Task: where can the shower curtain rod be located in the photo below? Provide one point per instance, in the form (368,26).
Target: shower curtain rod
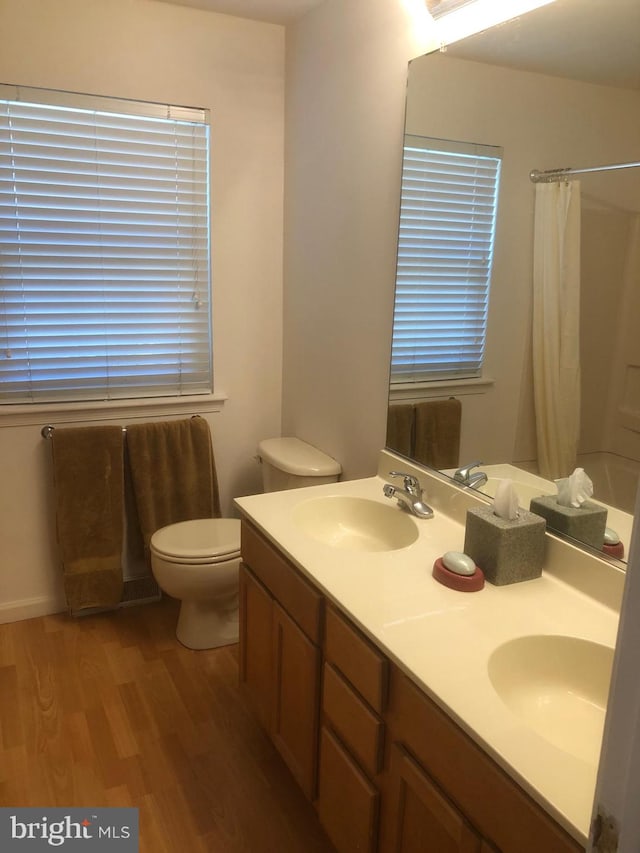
(550,175)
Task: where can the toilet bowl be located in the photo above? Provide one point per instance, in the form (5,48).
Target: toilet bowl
(197,562)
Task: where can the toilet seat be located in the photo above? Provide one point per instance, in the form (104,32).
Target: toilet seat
(198,541)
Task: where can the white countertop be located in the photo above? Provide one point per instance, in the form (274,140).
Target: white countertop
(442,639)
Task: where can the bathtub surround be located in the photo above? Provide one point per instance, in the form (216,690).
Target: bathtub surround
(89,493)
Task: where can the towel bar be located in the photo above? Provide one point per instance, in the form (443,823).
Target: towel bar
(48,430)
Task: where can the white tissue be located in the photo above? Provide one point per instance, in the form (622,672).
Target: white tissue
(505,502)
(574,489)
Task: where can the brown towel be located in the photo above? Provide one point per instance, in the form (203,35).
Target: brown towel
(400,428)
(437,441)
(88,477)
(173,473)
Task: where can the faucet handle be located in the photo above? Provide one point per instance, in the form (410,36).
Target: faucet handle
(462,474)
(410,482)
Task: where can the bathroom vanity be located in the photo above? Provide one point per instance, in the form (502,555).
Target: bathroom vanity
(400,706)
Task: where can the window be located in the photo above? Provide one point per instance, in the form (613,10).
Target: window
(104,248)
(445,250)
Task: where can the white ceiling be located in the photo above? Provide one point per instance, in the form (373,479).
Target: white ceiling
(273,11)
(594,40)
(597,41)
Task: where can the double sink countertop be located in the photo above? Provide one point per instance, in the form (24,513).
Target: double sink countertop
(444,640)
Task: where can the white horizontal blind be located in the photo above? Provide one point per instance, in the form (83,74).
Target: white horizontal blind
(445,251)
(104,249)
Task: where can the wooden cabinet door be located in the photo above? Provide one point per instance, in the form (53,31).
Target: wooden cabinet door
(421,819)
(347,802)
(256,647)
(296,699)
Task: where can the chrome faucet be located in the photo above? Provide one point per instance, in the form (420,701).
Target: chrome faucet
(463,475)
(410,497)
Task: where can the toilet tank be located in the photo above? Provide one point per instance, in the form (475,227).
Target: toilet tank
(290,463)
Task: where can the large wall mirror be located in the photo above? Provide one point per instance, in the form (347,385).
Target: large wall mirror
(557,88)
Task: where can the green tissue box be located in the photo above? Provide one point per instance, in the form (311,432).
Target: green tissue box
(585,523)
(506,551)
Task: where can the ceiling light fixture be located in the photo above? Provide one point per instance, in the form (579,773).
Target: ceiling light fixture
(457,19)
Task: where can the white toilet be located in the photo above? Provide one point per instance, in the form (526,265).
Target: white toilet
(289,463)
(197,561)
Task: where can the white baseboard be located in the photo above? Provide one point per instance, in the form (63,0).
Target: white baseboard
(30,608)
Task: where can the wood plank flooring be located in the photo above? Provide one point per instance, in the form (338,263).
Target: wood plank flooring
(110,710)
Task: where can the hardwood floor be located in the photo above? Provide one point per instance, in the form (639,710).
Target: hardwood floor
(110,710)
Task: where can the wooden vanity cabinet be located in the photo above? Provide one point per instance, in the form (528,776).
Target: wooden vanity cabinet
(352,736)
(421,818)
(256,654)
(390,772)
(348,801)
(280,657)
(432,757)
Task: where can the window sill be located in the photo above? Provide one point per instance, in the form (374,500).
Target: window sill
(108,410)
(415,391)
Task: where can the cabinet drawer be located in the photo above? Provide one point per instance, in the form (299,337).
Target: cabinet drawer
(347,802)
(300,599)
(355,723)
(357,659)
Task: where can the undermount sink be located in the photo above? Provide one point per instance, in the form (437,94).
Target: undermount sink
(558,686)
(355,524)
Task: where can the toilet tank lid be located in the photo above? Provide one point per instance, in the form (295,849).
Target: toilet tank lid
(295,456)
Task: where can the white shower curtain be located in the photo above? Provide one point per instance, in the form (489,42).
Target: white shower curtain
(556,326)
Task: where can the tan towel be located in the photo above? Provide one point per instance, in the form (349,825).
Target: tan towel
(400,428)
(88,477)
(437,440)
(173,473)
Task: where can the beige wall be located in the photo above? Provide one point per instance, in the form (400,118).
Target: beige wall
(159,52)
(346,81)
